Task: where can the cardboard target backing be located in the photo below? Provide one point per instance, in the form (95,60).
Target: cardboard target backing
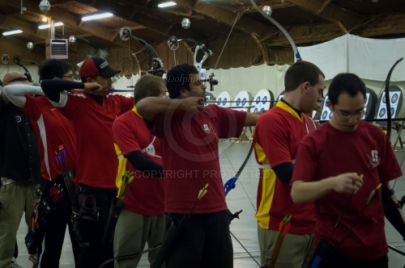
(396,99)
(263,101)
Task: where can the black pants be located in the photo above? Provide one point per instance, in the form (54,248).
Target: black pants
(374,263)
(55,230)
(330,258)
(95,204)
(204,242)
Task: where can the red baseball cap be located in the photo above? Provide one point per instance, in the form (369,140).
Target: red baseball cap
(95,66)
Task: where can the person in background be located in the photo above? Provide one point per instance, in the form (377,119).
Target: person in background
(140,153)
(55,133)
(92,115)
(195,197)
(276,138)
(19,169)
(344,167)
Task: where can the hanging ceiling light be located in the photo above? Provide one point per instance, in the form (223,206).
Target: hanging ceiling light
(97,16)
(185,23)
(47,26)
(30,45)
(167,4)
(12,32)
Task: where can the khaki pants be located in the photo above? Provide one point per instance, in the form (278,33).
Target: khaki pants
(132,232)
(15,199)
(295,251)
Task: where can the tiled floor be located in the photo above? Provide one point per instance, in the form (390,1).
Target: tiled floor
(243,197)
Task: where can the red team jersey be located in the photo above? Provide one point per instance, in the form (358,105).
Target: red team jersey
(329,152)
(277,135)
(52,130)
(145,194)
(190,156)
(96,159)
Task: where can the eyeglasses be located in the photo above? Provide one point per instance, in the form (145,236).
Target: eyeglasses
(345,115)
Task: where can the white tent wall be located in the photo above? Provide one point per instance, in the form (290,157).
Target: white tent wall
(124,83)
(251,79)
(369,58)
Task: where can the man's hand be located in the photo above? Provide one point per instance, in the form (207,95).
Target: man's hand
(93,88)
(348,183)
(192,104)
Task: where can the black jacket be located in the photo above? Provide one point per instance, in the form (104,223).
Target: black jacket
(19,151)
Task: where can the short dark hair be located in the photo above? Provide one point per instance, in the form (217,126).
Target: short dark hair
(49,69)
(148,86)
(178,78)
(300,72)
(345,83)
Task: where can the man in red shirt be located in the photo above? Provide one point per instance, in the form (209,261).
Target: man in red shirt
(142,219)
(195,197)
(53,131)
(277,135)
(342,167)
(92,115)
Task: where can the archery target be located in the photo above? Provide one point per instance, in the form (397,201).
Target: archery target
(395,98)
(242,101)
(280,96)
(223,99)
(263,101)
(326,113)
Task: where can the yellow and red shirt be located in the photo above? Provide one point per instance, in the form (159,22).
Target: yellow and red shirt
(277,135)
(145,194)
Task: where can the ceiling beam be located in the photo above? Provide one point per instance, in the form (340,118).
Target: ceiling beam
(343,18)
(8,22)
(244,25)
(57,13)
(311,34)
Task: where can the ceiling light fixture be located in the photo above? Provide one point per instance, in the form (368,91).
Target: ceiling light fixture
(47,26)
(12,32)
(97,16)
(167,4)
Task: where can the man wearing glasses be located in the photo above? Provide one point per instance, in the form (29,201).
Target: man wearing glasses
(345,167)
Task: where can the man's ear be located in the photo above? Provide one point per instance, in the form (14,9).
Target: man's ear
(184,92)
(304,87)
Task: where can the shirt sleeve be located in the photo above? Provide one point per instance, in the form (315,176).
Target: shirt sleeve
(389,168)
(229,123)
(272,136)
(306,163)
(125,136)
